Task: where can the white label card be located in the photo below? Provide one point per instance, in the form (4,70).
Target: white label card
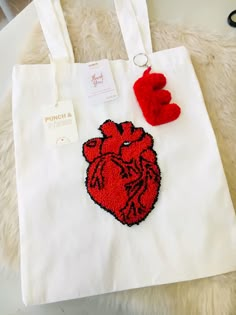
(98,82)
(60,124)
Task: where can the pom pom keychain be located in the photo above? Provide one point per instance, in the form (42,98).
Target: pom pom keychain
(153,100)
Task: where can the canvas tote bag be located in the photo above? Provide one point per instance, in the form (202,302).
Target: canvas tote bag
(117,201)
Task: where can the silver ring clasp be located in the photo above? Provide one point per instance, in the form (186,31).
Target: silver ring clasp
(141,60)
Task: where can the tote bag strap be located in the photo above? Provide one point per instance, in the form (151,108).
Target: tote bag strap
(134,24)
(132,16)
(55,31)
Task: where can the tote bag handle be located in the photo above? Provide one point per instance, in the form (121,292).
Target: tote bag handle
(132,16)
(55,31)
(134,23)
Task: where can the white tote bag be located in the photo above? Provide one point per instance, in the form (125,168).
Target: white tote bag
(108,199)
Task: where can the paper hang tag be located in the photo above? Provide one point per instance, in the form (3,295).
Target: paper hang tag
(98,82)
(60,124)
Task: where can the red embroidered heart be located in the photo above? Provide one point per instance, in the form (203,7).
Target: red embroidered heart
(123,176)
(154,101)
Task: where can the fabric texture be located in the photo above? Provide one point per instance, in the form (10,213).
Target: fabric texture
(213,53)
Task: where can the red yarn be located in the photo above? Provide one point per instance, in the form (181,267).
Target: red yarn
(123,176)
(155,102)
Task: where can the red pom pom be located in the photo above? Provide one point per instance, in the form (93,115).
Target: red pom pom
(155,102)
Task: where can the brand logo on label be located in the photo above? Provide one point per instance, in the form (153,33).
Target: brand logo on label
(97,79)
(57,117)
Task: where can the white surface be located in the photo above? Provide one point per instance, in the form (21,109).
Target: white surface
(210,15)
(11,303)
(12,40)
(6,9)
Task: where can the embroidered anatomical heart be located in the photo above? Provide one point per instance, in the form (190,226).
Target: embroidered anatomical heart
(123,176)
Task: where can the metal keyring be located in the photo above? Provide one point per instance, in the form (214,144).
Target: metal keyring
(231,22)
(145,64)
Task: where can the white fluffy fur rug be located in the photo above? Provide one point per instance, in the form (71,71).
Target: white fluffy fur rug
(95,35)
